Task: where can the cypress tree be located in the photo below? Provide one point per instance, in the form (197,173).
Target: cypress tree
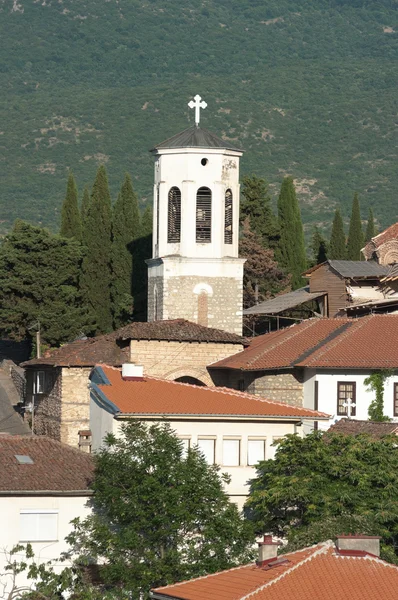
(319,247)
(96,270)
(256,205)
(291,246)
(147,221)
(355,233)
(142,250)
(71,226)
(125,229)
(370,227)
(84,207)
(337,249)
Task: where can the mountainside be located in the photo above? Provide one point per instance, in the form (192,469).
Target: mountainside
(306,87)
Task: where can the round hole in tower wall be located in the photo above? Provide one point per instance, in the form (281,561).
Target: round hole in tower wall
(204,162)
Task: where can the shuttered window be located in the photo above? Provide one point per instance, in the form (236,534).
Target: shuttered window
(203,215)
(228,218)
(174,216)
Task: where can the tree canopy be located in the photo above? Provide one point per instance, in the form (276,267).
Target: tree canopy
(370,227)
(324,484)
(39,275)
(337,247)
(71,225)
(256,205)
(319,247)
(355,238)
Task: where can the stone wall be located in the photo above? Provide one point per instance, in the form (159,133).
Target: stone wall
(172,360)
(75,408)
(47,418)
(281,386)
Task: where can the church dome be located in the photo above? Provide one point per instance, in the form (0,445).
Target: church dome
(195,137)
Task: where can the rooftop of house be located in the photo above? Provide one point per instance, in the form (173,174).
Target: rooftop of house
(40,465)
(177,330)
(353,269)
(112,348)
(320,572)
(391,233)
(376,429)
(196,137)
(365,343)
(152,396)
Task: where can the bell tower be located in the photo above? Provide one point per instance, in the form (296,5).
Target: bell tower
(195,272)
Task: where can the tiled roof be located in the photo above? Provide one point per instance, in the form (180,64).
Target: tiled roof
(317,573)
(369,343)
(153,396)
(84,353)
(177,330)
(355,269)
(281,349)
(283,302)
(196,137)
(365,343)
(391,233)
(355,427)
(56,467)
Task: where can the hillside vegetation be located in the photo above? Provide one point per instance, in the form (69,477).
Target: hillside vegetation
(306,87)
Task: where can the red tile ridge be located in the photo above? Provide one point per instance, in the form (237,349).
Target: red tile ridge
(322,548)
(316,354)
(227,391)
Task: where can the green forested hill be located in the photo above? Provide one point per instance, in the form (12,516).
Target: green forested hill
(307,87)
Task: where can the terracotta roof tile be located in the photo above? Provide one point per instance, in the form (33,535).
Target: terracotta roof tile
(179,330)
(355,427)
(285,347)
(162,397)
(391,233)
(84,353)
(365,343)
(317,573)
(56,467)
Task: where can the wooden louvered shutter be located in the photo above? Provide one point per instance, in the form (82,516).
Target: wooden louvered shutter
(174,216)
(203,215)
(228,218)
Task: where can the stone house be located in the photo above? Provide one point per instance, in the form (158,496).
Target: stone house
(320,364)
(57,384)
(43,486)
(232,429)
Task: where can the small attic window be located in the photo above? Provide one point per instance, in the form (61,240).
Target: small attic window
(23,459)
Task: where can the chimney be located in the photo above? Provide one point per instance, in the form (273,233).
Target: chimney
(131,372)
(357,545)
(267,551)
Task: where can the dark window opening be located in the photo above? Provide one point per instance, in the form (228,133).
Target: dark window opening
(204,161)
(228,218)
(346,391)
(203,215)
(174,216)
(395,399)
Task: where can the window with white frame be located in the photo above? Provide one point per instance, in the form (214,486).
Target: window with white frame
(38,382)
(186,444)
(231,452)
(255,451)
(38,525)
(207,447)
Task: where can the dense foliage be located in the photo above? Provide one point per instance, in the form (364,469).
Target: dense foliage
(71,224)
(355,238)
(337,246)
(255,204)
(322,485)
(376,383)
(159,516)
(291,249)
(306,87)
(39,282)
(370,227)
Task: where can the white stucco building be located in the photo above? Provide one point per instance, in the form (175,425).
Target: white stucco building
(195,272)
(232,429)
(44,485)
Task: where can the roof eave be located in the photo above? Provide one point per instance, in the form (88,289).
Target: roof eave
(87,492)
(219,417)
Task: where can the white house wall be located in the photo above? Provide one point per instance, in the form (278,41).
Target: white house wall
(327,394)
(11,532)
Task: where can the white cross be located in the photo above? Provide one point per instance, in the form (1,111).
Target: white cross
(349,404)
(197,105)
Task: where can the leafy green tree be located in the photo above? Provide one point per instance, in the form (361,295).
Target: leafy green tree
(370,227)
(256,204)
(158,516)
(291,252)
(125,229)
(319,247)
(337,247)
(147,221)
(142,250)
(71,225)
(324,484)
(376,382)
(39,282)
(84,207)
(96,269)
(262,276)
(355,233)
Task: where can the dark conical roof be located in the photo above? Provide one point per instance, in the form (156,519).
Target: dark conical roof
(196,137)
